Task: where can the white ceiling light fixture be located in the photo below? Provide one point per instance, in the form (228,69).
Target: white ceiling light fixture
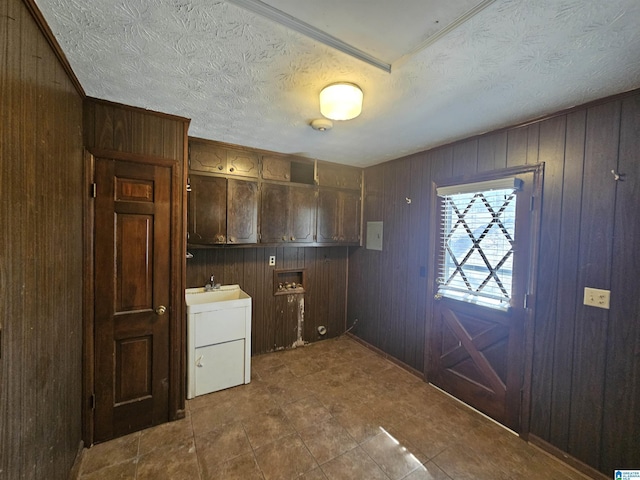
(341,101)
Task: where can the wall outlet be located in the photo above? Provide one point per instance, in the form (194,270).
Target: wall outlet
(594,297)
(272,261)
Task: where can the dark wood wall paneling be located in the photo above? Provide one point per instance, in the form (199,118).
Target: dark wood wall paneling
(40,253)
(325,288)
(586,367)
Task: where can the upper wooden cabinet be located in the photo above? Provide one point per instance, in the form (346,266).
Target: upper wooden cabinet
(222,210)
(231,185)
(207,219)
(287,214)
(288,169)
(340,176)
(209,157)
(338,216)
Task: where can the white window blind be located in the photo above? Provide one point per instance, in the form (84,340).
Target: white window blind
(478,231)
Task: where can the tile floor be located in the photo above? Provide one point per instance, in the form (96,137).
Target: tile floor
(331,410)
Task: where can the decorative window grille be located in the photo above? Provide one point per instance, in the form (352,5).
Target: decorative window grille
(478,232)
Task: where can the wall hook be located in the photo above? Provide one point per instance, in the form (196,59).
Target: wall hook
(617,176)
(408,200)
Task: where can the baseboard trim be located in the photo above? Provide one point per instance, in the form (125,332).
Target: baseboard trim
(386,356)
(564,457)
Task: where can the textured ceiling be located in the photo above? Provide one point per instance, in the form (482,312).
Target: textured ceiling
(245,79)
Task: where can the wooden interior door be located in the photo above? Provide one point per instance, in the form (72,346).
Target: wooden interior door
(132,296)
(478,351)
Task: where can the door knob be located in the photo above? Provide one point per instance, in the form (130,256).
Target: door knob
(161,310)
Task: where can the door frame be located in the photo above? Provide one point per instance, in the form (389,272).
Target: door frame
(532,275)
(177,330)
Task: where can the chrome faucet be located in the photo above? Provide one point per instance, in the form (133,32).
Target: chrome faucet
(212,285)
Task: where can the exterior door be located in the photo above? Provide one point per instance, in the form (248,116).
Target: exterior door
(132,296)
(478,334)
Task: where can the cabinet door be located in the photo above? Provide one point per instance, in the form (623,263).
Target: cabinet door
(207,210)
(302,214)
(340,176)
(242,163)
(242,211)
(327,216)
(274,213)
(276,168)
(349,217)
(205,157)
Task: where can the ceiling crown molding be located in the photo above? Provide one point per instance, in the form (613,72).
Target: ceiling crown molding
(286,20)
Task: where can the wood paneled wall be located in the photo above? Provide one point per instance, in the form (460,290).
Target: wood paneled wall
(40,254)
(325,285)
(586,363)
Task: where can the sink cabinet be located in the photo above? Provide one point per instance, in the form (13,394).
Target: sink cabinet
(219,342)
(222,210)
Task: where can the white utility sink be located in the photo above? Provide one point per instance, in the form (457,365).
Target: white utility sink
(218,339)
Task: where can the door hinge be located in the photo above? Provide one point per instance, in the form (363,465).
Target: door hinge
(93,190)
(531,205)
(92,401)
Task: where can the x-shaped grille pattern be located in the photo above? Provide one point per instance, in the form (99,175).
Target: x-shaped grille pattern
(478,243)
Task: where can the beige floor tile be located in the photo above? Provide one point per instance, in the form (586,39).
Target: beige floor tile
(306,412)
(267,427)
(220,445)
(327,440)
(392,457)
(353,465)
(178,462)
(285,459)
(243,467)
(110,453)
(120,471)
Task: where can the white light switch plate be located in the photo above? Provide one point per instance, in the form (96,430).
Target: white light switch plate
(272,261)
(594,297)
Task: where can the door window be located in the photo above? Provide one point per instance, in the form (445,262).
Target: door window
(478,232)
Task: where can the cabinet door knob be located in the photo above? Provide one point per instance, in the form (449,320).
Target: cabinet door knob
(220,167)
(231,169)
(284,238)
(293,239)
(161,310)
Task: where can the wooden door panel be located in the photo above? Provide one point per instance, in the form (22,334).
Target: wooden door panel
(349,217)
(132,238)
(273,213)
(207,158)
(242,211)
(302,214)
(207,210)
(276,168)
(133,271)
(242,163)
(327,216)
(133,369)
